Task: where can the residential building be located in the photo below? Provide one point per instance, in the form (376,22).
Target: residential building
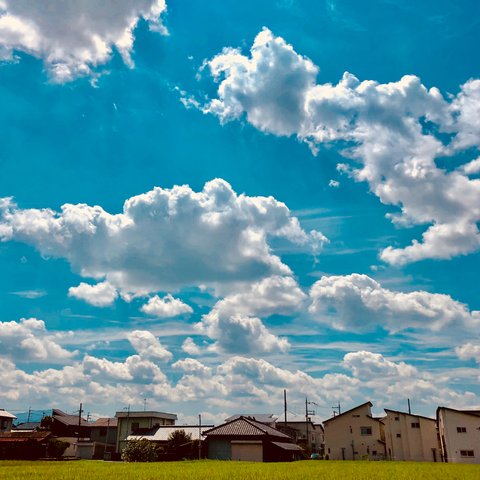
(6,420)
(70,428)
(24,445)
(459,433)
(354,435)
(161,434)
(307,434)
(248,440)
(411,437)
(129,422)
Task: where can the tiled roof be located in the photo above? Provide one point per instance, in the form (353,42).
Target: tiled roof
(23,436)
(26,426)
(105,422)
(258,417)
(245,427)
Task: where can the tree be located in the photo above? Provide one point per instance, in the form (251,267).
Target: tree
(178,439)
(46,423)
(140,451)
(56,448)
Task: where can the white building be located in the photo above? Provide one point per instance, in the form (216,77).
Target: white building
(459,432)
(6,420)
(355,435)
(411,437)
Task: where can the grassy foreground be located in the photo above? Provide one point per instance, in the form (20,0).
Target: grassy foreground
(213,470)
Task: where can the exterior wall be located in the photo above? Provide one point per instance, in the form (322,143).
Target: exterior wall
(219,449)
(126,425)
(453,442)
(104,434)
(6,424)
(247,451)
(315,433)
(344,439)
(405,442)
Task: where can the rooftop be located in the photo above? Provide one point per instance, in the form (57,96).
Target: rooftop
(147,414)
(161,434)
(245,427)
(259,417)
(5,414)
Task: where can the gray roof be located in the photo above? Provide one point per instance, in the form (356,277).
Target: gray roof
(148,414)
(259,417)
(162,433)
(244,427)
(105,422)
(288,446)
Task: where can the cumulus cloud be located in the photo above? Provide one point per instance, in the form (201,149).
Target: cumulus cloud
(390,129)
(100,295)
(29,340)
(165,307)
(148,346)
(368,365)
(358,302)
(468,351)
(165,238)
(234,324)
(74,38)
(190,347)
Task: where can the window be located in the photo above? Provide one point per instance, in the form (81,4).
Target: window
(365,430)
(397,419)
(374,453)
(415,425)
(399,435)
(461,429)
(356,416)
(135,426)
(466,453)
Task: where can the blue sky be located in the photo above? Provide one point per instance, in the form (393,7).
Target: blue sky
(275,251)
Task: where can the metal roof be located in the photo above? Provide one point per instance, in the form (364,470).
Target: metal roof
(23,436)
(245,427)
(162,433)
(67,419)
(5,414)
(148,414)
(288,446)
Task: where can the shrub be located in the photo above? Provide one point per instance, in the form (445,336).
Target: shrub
(56,448)
(140,451)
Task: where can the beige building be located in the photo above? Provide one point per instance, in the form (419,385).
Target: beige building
(129,422)
(459,432)
(309,435)
(354,435)
(411,437)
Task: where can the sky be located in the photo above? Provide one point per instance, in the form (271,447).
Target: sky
(202,205)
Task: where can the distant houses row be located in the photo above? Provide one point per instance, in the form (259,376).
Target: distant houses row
(453,436)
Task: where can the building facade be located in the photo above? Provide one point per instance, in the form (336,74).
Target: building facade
(6,420)
(411,437)
(355,435)
(459,434)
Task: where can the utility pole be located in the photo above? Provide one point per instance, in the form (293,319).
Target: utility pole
(29,413)
(337,410)
(199,436)
(79,422)
(144,404)
(285,405)
(307,418)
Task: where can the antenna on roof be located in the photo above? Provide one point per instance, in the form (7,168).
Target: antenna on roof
(144,404)
(409,409)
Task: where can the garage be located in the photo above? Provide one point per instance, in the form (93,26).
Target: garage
(247,450)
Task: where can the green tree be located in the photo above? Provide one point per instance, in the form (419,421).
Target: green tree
(140,451)
(178,439)
(56,448)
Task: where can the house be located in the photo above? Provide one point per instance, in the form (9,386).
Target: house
(248,440)
(411,437)
(129,422)
(354,435)
(102,441)
(69,428)
(299,430)
(23,445)
(6,420)
(459,433)
(161,434)
(26,426)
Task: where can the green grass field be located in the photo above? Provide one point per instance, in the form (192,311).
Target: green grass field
(213,470)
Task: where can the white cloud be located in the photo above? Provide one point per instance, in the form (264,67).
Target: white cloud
(165,238)
(234,324)
(28,340)
(334,183)
(190,347)
(393,145)
(468,351)
(74,38)
(100,295)
(357,302)
(165,307)
(148,346)
(368,365)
